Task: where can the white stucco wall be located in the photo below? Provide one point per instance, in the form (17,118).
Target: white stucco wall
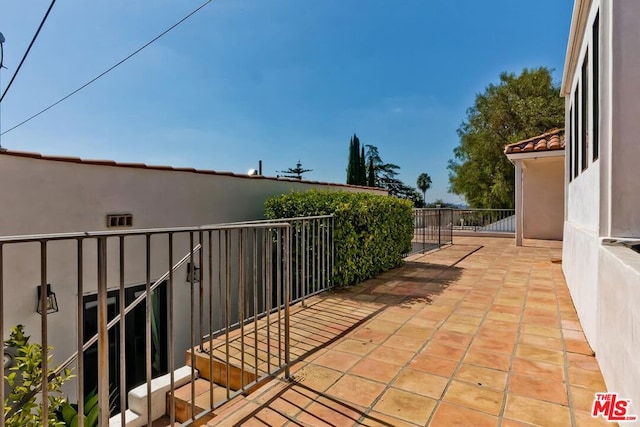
(543,201)
(45,196)
(625,149)
(602,202)
(618,321)
(583,195)
(580,266)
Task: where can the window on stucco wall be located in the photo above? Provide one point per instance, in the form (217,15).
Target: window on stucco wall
(595,75)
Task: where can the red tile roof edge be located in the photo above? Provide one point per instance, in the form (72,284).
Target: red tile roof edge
(111,163)
(534,144)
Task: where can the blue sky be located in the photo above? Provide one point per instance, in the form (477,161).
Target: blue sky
(277,80)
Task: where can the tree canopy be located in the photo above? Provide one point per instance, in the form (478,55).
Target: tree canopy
(516,108)
(424,183)
(295,172)
(365,167)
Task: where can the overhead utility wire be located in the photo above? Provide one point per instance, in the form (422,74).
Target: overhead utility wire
(109,69)
(35,36)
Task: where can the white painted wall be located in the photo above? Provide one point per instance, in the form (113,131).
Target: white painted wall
(618,321)
(47,196)
(580,266)
(543,201)
(583,195)
(625,149)
(603,201)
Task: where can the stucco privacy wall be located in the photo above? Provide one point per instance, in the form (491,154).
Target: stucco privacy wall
(543,201)
(48,196)
(618,321)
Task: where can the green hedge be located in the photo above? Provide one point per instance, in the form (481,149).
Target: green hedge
(372,232)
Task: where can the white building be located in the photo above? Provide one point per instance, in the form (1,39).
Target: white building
(602,92)
(539,164)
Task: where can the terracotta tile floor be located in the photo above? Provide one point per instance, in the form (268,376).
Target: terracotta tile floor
(480,333)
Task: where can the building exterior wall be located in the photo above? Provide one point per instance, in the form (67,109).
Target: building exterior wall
(543,201)
(625,149)
(603,200)
(618,321)
(583,190)
(45,196)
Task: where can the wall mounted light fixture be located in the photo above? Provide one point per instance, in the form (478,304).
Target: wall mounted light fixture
(50,300)
(194,270)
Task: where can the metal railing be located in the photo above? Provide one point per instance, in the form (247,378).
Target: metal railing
(312,254)
(237,275)
(488,220)
(241,267)
(432,229)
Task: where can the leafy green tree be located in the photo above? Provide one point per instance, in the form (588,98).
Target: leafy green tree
(516,108)
(385,175)
(424,183)
(295,172)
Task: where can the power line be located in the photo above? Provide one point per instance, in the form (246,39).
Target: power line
(33,40)
(109,69)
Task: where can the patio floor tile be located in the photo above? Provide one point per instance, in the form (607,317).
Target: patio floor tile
(434,365)
(375,370)
(474,397)
(444,351)
(479,333)
(356,390)
(448,415)
(536,412)
(482,376)
(488,360)
(391,355)
(421,383)
(337,360)
(406,406)
(553,392)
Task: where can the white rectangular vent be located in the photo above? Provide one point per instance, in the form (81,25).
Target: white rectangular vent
(119,220)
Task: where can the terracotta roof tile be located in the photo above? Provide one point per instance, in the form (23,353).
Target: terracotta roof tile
(111,163)
(552,140)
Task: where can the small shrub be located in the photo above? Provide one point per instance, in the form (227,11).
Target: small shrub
(21,407)
(372,232)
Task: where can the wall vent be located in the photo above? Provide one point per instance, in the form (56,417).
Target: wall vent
(119,220)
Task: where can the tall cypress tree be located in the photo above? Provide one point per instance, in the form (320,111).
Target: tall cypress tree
(352,166)
(350,163)
(371,179)
(357,166)
(362,168)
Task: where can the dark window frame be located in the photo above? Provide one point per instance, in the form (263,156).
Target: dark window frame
(584,113)
(574,166)
(569,145)
(595,75)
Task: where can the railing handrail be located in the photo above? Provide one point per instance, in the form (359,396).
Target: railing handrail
(483,209)
(138,232)
(270,221)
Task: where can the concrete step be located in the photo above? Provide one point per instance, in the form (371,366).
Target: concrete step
(203,389)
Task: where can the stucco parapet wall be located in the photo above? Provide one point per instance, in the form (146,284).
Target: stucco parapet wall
(112,163)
